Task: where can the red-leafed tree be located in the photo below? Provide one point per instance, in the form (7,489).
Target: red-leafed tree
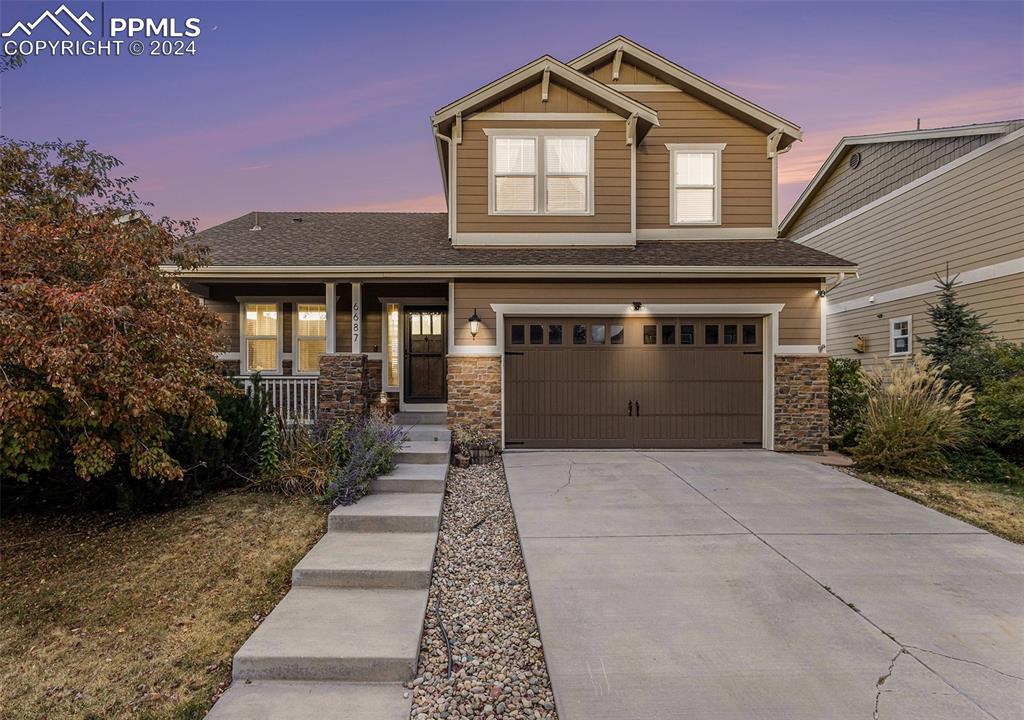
(100,350)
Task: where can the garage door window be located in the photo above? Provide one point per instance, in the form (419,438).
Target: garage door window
(597,334)
(518,335)
(554,334)
(536,334)
(710,334)
(618,334)
(730,335)
(579,334)
(686,334)
(650,334)
(750,334)
(668,334)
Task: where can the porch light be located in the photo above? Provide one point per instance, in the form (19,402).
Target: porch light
(474,323)
(637,306)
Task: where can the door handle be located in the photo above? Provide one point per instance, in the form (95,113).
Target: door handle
(631,408)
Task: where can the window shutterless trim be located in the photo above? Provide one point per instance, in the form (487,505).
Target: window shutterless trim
(297,338)
(243,345)
(675,149)
(909,320)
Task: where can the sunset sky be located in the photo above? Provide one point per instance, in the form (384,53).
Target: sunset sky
(325,105)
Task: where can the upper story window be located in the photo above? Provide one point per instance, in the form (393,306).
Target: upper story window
(544,172)
(899,336)
(696,183)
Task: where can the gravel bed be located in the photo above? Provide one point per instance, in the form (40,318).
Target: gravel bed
(486,608)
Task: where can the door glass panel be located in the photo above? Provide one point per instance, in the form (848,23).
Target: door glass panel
(597,334)
(579,334)
(393,345)
(618,334)
(710,334)
(414,318)
(686,334)
(750,334)
(536,334)
(554,334)
(518,334)
(668,334)
(650,334)
(730,334)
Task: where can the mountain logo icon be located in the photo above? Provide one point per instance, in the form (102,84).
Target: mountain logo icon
(55,17)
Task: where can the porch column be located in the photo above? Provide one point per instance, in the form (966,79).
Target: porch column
(332,311)
(357,317)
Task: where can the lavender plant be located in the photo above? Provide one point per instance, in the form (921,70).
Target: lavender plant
(367,449)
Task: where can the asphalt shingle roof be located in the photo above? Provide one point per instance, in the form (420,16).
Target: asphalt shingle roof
(409,239)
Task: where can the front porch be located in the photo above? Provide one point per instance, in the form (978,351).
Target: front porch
(285,330)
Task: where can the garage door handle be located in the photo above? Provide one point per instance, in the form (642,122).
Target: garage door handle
(631,408)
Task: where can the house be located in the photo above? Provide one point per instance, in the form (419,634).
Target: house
(909,205)
(608,273)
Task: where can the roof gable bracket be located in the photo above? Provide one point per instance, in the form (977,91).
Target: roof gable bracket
(774,138)
(545,84)
(457,129)
(617,63)
(631,129)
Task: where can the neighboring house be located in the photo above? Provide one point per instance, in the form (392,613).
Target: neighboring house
(608,273)
(907,206)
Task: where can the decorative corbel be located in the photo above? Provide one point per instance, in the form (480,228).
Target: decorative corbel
(774,138)
(631,129)
(617,63)
(544,84)
(457,129)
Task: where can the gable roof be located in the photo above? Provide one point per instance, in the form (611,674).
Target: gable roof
(691,83)
(322,244)
(995,128)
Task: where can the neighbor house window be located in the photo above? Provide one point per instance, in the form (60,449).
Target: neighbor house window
(696,185)
(262,337)
(310,336)
(899,336)
(547,173)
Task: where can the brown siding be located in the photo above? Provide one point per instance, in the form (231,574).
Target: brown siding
(560,99)
(799,322)
(612,212)
(629,74)
(746,169)
(883,168)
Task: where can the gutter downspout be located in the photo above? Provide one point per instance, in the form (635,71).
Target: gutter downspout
(450,194)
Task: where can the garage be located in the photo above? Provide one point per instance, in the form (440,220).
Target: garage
(636,382)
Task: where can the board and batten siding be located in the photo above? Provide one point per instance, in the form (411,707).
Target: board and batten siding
(799,322)
(612,175)
(969,217)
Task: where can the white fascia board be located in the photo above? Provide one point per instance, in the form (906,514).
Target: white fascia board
(625,309)
(829,164)
(707,233)
(543,239)
(692,80)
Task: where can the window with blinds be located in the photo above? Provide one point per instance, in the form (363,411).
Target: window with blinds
(545,174)
(566,168)
(310,335)
(262,337)
(696,185)
(515,175)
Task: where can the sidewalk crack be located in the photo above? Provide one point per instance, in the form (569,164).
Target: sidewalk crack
(883,679)
(965,660)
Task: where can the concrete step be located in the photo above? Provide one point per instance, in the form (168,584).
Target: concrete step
(412,478)
(279,700)
(389,512)
(321,633)
(427,432)
(420,418)
(424,452)
(368,560)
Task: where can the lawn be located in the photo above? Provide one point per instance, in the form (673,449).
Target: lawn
(996,507)
(106,616)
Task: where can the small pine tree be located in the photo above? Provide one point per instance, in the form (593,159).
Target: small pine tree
(961,341)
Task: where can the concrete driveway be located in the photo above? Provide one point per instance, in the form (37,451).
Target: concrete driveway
(748,584)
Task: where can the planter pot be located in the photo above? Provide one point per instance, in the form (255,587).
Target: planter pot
(480,456)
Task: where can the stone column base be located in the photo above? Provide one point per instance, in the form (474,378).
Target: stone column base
(801,403)
(474,394)
(342,387)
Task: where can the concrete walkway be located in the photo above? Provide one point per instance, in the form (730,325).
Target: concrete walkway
(749,584)
(344,639)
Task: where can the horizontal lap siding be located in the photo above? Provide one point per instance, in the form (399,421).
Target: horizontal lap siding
(612,172)
(746,169)
(999,302)
(970,217)
(560,100)
(799,322)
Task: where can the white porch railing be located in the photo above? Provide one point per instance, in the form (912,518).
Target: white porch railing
(295,396)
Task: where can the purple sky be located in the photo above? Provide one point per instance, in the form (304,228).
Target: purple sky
(325,105)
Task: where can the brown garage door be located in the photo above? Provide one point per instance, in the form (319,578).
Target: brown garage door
(633,382)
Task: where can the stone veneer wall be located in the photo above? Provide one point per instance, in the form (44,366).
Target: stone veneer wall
(343,386)
(474,394)
(375,383)
(801,403)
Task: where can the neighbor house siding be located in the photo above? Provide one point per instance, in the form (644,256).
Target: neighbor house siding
(611,176)
(883,168)
(799,322)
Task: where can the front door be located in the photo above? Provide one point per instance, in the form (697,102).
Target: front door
(426,341)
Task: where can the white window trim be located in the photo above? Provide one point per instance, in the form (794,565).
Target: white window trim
(540,186)
(243,365)
(675,148)
(296,355)
(385,336)
(909,320)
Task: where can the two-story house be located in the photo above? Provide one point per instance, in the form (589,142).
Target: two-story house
(909,206)
(608,273)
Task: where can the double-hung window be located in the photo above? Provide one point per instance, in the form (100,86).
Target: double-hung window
(310,336)
(696,183)
(899,336)
(262,337)
(542,173)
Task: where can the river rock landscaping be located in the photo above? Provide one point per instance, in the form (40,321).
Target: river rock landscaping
(480,603)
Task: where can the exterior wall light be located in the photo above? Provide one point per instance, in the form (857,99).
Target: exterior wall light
(638,306)
(474,323)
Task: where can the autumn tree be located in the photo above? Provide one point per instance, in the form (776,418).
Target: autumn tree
(101,351)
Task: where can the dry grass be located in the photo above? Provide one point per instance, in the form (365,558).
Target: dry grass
(996,507)
(111,617)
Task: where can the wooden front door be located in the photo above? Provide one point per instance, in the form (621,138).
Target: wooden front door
(426,341)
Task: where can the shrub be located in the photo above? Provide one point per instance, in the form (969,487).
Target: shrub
(1000,415)
(370,446)
(912,415)
(270,448)
(847,398)
(982,464)
(310,458)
